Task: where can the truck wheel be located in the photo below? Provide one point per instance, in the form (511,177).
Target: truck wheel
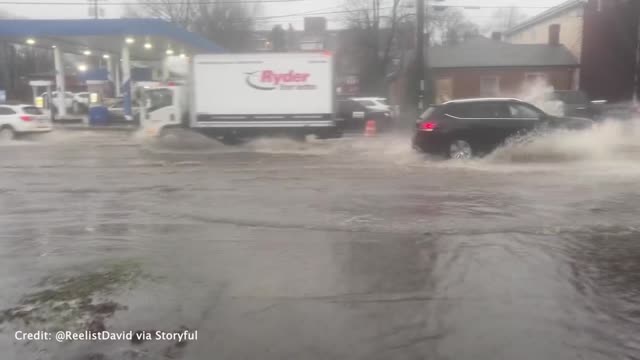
(230,140)
(330,134)
(298,136)
(164,132)
(136,119)
(7,133)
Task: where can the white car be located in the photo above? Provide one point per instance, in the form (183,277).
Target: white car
(82,98)
(68,99)
(117,110)
(17,120)
(378,104)
(373,103)
(81,101)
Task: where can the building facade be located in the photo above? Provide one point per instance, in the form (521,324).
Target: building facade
(484,67)
(604,37)
(567,17)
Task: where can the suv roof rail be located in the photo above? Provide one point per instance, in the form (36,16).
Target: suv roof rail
(480,100)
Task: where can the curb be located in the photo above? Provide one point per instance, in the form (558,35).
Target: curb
(98,128)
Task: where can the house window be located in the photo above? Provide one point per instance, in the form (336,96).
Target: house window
(444,90)
(535,78)
(489,86)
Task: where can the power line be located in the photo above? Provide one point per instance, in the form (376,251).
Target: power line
(201,2)
(204,2)
(316,12)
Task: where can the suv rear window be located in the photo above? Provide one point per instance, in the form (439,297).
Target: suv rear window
(489,110)
(6,111)
(458,110)
(32,110)
(427,114)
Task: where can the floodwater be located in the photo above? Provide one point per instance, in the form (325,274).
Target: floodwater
(346,249)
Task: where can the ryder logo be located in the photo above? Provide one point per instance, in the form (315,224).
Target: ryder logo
(270,80)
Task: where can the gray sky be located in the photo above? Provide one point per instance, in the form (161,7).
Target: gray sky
(481,16)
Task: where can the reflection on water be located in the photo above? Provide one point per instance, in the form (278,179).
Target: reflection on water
(352,248)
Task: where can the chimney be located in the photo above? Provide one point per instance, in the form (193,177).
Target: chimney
(496,36)
(554,34)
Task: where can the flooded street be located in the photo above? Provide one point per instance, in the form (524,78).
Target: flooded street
(347,249)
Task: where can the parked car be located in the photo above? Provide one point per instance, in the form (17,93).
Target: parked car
(116,110)
(68,99)
(576,103)
(465,128)
(373,102)
(18,120)
(81,102)
(357,111)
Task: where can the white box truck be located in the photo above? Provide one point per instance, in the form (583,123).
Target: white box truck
(231,96)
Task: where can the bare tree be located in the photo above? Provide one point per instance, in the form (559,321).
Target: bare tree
(377,27)
(505,19)
(449,26)
(181,12)
(228,24)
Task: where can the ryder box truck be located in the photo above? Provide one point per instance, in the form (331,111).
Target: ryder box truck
(231,96)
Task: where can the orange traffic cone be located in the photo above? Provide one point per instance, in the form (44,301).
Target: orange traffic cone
(370,128)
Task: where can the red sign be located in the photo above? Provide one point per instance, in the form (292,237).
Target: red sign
(271,80)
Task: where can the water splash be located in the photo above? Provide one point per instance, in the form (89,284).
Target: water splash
(608,141)
(539,94)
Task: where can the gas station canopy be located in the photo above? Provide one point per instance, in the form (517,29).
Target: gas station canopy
(153,37)
(110,39)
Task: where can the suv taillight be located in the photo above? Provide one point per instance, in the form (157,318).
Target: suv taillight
(25,118)
(428,126)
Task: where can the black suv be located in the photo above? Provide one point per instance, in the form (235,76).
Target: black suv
(464,128)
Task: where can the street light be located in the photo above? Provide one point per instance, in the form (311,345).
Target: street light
(129,40)
(148,46)
(87,52)
(106,56)
(31,41)
(170,52)
(82,68)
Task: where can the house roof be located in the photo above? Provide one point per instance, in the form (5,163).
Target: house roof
(483,52)
(547,14)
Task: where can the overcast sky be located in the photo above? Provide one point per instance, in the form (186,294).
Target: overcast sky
(322,7)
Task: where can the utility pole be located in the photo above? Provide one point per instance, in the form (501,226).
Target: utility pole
(420,55)
(636,80)
(94,8)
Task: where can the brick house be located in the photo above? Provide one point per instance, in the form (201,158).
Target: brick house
(482,67)
(567,18)
(602,34)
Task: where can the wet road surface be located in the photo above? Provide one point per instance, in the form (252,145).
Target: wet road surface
(347,249)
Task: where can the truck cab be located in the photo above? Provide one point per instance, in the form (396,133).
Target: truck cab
(164,107)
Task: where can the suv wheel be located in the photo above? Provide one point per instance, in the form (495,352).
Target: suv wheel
(460,150)
(7,134)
